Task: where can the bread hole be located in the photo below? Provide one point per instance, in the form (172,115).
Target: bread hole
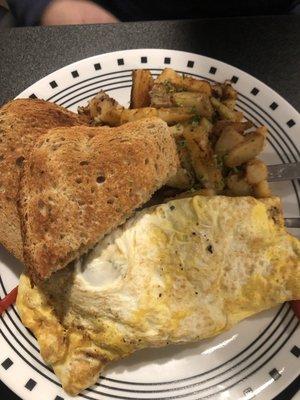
(62,139)
(56,146)
(93,190)
(110,201)
(156,166)
(151,126)
(146,161)
(19,161)
(78,180)
(100,179)
(1,157)
(84,162)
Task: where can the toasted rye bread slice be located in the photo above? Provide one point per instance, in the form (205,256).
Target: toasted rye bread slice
(22,121)
(80,183)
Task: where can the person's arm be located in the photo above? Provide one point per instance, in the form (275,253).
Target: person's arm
(28,12)
(68,12)
(59,12)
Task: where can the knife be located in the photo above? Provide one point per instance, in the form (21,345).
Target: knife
(283,172)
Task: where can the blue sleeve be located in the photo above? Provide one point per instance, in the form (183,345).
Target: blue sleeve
(28,12)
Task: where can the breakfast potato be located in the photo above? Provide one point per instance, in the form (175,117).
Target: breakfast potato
(256,171)
(185,157)
(262,189)
(245,151)
(228,139)
(238,186)
(109,114)
(174,115)
(103,110)
(230,103)
(228,92)
(182,180)
(206,125)
(217,90)
(161,95)
(137,113)
(177,131)
(142,83)
(211,136)
(240,127)
(198,102)
(170,115)
(196,85)
(202,158)
(225,112)
(170,77)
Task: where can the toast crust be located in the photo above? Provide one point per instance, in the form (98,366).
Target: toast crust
(80,183)
(22,121)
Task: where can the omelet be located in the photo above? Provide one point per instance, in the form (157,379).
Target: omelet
(175,273)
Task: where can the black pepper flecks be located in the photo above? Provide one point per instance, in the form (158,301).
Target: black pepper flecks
(210,248)
(172,207)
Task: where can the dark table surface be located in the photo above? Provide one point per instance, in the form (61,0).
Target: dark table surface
(266,47)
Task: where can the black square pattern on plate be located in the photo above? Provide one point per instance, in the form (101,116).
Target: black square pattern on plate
(97,66)
(275,374)
(30,384)
(190,64)
(296,351)
(75,74)
(234,79)
(33,96)
(7,363)
(273,106)
(59,398)
(248,393)
(291,123)
(53,84)
(167,60)
(254,91)
(212,70)
(120,61)
(144,60)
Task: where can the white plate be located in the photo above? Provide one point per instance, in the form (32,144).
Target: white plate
(259,357)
